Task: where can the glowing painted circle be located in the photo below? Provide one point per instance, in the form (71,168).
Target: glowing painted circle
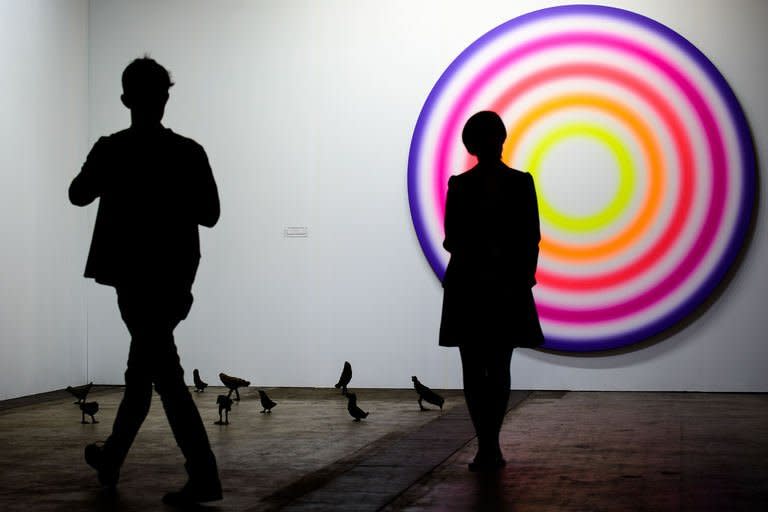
(611,279)
(618,203)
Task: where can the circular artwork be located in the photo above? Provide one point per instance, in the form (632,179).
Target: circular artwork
(642,158)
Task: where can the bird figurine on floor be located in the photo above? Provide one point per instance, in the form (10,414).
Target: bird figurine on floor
(233,383)
(199,384)
(427,395)
(346,376)
(353,409)
(266,402)
(89,408)
(225,405)
(80,392)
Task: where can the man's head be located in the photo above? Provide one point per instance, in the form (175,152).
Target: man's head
(145,90)
(484,135)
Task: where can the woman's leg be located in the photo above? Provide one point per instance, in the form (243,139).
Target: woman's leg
(474,376)
(498,384)
(486,390)
(482,395)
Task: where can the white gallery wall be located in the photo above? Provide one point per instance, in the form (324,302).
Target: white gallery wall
(306,110)
(43,133)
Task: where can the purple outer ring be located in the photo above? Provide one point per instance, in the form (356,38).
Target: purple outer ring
(746,150)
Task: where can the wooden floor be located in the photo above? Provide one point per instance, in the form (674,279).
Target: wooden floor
(566,451)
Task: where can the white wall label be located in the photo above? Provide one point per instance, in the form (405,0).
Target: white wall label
(296,232)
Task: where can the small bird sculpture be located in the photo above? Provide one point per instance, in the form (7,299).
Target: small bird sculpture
(346,376)
(353,409)
(427,395)
(266,402)
(80,392)
(233,383)
(199,384)
(89,408)
(225,405)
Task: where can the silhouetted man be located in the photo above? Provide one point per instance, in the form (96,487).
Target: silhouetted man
(155,188)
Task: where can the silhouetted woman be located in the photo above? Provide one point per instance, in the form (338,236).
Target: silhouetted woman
(492,233)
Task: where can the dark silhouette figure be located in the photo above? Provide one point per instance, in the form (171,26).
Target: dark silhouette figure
(233,383)
(200,385)
(355,411)
(492,233)
(346,376)
(426,395)
(80,392)
(225,406)
(89,408)
(154,188)
(266,402)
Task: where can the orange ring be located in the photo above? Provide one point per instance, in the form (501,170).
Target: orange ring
(654,189)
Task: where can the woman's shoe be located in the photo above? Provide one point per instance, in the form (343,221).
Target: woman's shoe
(483,463)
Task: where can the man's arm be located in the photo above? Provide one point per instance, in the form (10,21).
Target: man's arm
(88,184)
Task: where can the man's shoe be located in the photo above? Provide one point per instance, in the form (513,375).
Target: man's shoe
(106,473)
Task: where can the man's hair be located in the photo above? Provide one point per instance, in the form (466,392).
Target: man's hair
(484,131)
(145,76)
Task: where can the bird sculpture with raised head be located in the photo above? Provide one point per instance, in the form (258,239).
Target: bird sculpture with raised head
(200,385)
(346,376)
(233,383)
(427,395)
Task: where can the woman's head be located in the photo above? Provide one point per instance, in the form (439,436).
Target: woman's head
(484,135)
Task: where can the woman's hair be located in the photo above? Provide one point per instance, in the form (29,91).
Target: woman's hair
(484,134)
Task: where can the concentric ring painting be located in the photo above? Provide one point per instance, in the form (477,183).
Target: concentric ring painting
(642,157)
